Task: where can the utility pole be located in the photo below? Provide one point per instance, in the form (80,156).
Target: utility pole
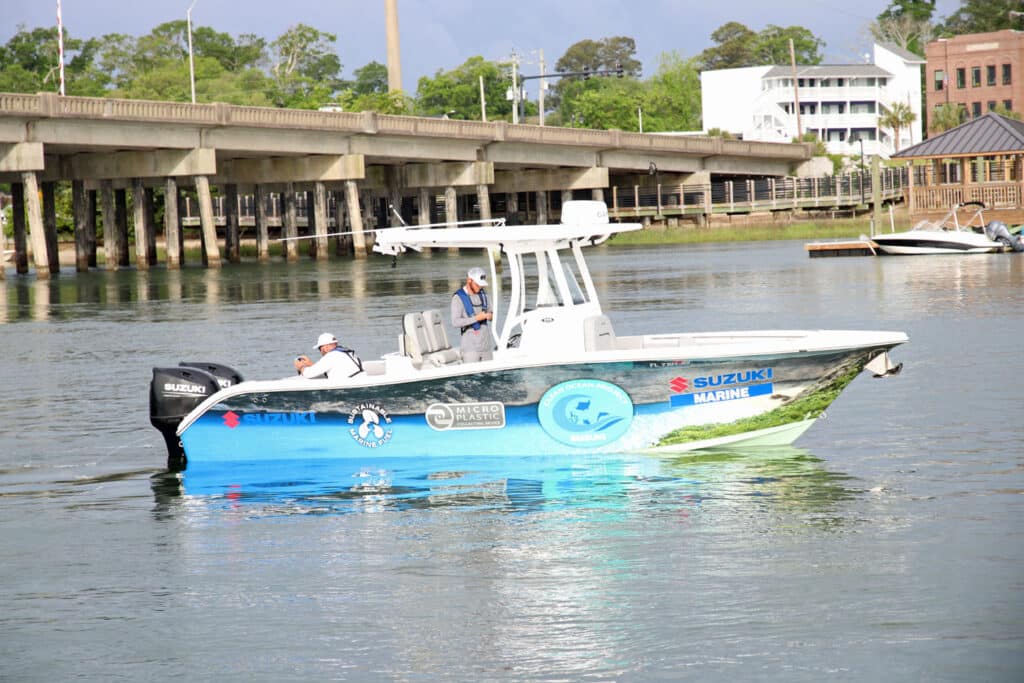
(543,87)
(191,62)
(60,47)
(483,101)
(514,91)
(796,91)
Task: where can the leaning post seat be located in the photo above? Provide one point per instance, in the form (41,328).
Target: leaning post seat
(440,350)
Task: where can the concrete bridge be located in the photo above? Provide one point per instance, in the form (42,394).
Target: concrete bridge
(348,164)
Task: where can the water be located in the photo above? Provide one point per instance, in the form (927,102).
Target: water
(887,545)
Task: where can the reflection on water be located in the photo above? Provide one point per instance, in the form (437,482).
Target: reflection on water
(786,479)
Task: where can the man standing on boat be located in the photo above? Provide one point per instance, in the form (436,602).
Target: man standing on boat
(471,314)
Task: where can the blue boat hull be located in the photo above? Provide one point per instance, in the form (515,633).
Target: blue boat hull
(554,410)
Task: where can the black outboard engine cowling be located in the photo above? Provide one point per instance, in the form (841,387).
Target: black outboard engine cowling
(174,392)
(225,375)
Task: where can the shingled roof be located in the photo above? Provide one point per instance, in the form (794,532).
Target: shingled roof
(989,134)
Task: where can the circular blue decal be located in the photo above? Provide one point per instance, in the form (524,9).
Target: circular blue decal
(585,412)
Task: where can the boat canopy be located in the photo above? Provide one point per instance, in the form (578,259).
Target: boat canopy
(551,297)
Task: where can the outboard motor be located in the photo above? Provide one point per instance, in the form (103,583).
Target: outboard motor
(174,392)
(998,232)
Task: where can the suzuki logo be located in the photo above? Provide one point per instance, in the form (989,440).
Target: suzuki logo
(231,419)
(679,384)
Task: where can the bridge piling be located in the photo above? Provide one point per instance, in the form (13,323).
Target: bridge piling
(232,246)
(35,225)
(260,217)
(142,226)
(80,209)
(320,218)
(110,251)
(356,218)
(211,251)
(290,224)
(50,226)
(20,235)
(172,225)
(451,211)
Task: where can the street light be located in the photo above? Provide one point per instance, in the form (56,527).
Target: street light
(191,62)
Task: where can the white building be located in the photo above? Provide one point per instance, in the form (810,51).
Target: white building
(838,103)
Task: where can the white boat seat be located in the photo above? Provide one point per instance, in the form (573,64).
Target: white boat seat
(414,337)
(598,334)
(440,350)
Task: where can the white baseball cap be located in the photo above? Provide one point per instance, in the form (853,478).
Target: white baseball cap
(478,276)
(324,339)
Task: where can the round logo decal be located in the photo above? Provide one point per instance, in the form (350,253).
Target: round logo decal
(585,412)
(370,425)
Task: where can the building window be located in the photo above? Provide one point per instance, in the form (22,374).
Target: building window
(991,105)
(990,74)
(862,107)
(975,76)
(975,109)
(1008,105)
(961,78)
(1006,74)
(940,79)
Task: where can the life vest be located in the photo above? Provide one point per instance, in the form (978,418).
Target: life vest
(351,354)
(468,305)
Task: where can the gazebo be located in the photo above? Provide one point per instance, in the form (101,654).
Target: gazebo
(981,160)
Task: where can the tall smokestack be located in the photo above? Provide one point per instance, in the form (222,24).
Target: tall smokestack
(394,54)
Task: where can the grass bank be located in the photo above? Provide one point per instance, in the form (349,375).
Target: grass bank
(799,230)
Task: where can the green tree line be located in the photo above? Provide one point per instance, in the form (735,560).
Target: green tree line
(301,68)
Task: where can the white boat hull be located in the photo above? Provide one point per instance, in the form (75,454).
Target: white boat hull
(917,242)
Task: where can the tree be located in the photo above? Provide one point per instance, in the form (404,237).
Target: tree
(981,16)
(738,46)
(672,102)
(305,68)
(607,54)
(897,118)
(372,78)
(946,116)
(907,23)
(458,91)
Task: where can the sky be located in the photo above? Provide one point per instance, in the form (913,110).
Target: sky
(442,34)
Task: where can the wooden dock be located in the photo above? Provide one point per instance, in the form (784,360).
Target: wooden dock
(864,247)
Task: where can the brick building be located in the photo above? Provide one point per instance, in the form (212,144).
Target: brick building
(978,72)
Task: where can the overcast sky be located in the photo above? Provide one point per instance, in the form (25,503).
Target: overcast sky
(442,34)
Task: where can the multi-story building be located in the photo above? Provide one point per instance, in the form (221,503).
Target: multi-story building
(840,104)
(977,72)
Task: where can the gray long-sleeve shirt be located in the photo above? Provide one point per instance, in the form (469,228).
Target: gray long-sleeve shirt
(476,344)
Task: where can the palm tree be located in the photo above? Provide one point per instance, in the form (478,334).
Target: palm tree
(945,116)
(899,116)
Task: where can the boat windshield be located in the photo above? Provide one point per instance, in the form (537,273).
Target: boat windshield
(554,282)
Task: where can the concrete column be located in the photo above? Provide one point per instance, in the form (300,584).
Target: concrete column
(311,229)
(262,228)
(20,235)
(232,245)
(483,198)
(394,196)
(172,226)
(50,226)
(290,224)
(542,207)
(342,243)
(91,241)
(320,215)
(512,208)
(182,212)
(423,206)
(597,194)
(356,218)
(567,197)
(142,227)
(210,249)
(80,208)
(451,211)
(369,205)
(35,224)
(123,249)
(110,251)
(149,212)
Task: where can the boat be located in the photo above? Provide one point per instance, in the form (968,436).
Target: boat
(946,236)
(561,380)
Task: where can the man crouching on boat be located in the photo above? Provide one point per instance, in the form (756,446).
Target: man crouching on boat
(335,361)
(470,313)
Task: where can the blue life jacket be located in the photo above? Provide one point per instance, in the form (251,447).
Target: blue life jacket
(351,354)
(468,305)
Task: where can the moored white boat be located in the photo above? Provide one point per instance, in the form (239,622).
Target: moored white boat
(946,236)
(561,381)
